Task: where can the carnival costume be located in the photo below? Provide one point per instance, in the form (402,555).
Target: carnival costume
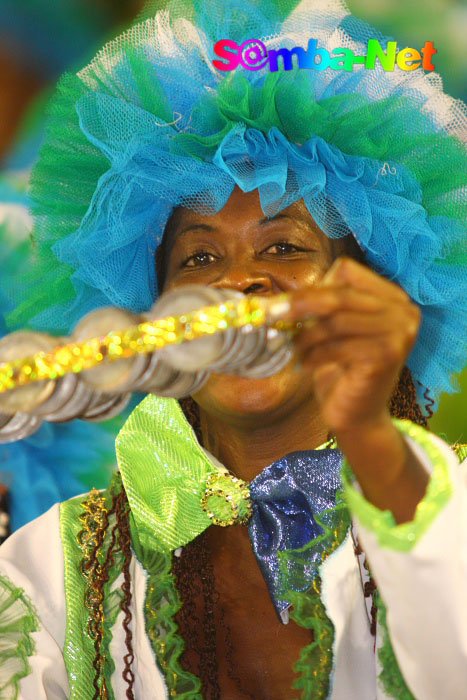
(149,125)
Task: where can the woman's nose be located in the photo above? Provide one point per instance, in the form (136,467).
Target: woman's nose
(244,279)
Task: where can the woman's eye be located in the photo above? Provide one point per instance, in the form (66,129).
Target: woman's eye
(282,248)
(199,259)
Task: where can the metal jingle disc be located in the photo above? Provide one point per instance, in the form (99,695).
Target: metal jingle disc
(4,418)
(200,353)
(253,345)
(24,344)
(250,341)
(155,371)
(230,358)
(79,401)
(64,390)
(109,409)
(185,384)
(276,362)
(161,377)
(202,379)
(19,427)
(100,403)
(116,376)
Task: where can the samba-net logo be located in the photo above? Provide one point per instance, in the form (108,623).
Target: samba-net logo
(253,55)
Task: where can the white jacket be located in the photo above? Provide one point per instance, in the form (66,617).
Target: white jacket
(421,572)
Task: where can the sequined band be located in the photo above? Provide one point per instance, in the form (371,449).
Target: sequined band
(145,337)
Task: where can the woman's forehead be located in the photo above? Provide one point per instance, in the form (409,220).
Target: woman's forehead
(241,209)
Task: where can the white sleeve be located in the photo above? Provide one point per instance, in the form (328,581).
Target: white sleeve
(32,596)
(425,587)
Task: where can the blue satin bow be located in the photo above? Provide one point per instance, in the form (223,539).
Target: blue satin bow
(285,497)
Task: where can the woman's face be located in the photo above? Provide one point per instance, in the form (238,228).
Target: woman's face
(239,248)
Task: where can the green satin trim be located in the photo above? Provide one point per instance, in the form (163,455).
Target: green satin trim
(164,471)
(18,620)
(315,663)
(78,649)
(405,536)
(390,678)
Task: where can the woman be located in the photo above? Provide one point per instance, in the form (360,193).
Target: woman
(248,206)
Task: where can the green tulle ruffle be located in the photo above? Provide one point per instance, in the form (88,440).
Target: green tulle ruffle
(18,620)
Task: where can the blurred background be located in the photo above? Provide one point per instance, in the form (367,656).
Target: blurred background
(39,40)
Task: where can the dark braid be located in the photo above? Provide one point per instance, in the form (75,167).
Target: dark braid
(403,403)
(98,576)
(194,574)
(123,524)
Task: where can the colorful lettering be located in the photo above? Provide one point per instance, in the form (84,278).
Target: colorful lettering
(232,58)
(253,55)
(375,51)
(344,63)
(409,59)
(287,56)
(428,52)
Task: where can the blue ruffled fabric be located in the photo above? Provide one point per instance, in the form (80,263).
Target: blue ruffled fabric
(383,210)
(57,463)
(154,115)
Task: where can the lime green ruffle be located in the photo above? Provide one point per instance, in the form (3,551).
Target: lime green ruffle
(166,488)
(161,604)
(461,452)
(18,620)
(315,663)
(405,536)
(390,678)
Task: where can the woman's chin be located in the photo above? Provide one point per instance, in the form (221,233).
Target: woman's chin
(231,395)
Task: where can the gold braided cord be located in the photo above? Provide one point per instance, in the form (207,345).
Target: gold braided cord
(90,540)
(145,337)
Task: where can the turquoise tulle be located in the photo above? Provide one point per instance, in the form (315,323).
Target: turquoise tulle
(61,460)
(384,212)
(56,463)
(150,125)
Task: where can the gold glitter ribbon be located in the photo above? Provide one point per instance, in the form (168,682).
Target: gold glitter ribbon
(145,337)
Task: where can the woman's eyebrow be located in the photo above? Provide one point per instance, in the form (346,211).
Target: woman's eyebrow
(301,220)
(194,227)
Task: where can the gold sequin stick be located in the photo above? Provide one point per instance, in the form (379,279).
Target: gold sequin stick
(145,337)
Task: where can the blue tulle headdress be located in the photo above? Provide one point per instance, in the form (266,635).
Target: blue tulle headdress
(151,124)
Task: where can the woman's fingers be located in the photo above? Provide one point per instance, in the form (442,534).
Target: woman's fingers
(348,324)
(349,272)
(324,301)
(374,354)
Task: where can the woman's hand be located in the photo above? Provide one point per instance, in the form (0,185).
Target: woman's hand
(361,330)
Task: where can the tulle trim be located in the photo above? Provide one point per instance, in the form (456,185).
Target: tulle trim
(142,124)
(390,678)
(315,664)
(405,536)
(18,620)
(161,604)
